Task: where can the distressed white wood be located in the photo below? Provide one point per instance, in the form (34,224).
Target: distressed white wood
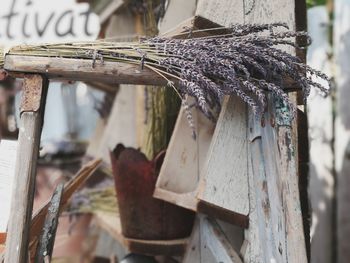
(224,182)
(180,172)
(221,12)
(176,12)
(320,122)
(209,243)
(193,249)
(274,164)
(251,250)
(214,245)
(342,126)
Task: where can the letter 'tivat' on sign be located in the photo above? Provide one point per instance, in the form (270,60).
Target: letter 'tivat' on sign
(43,21)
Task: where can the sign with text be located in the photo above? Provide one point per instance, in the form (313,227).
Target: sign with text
(44,21)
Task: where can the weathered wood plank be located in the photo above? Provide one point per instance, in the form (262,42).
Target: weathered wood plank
(251,249)
(25,173)
(180,172)
(214,245)
(224,184)
(342,127)
(193,246)
(224,179)
(176,12)
(274,161)
(221,12)
(82,70)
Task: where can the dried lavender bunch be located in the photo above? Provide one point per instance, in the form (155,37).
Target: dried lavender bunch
(245,62)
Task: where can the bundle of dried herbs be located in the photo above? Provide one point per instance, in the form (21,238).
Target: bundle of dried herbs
(245,61)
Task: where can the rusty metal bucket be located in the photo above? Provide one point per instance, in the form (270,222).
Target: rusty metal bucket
(142,216)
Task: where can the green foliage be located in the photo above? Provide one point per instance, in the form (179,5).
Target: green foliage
(312,3)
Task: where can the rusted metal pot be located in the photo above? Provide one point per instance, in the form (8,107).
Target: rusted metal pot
(142,216)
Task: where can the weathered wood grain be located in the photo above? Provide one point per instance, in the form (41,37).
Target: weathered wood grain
(209,243)
(224,13)
(273,156)
(24,182)
(224,179)
(81,69)
(214,245)
(193,246)
(180,172)
(274,162)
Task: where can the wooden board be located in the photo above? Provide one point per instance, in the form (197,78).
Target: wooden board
(272,161)
(25,173)
(111,223)
(274,147)
(224,181)
(82,70)
(208,244)
(180,172)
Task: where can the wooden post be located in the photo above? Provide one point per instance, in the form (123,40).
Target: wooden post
(273,146)
(275,232)
(32,112)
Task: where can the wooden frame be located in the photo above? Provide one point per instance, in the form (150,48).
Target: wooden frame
(32,113)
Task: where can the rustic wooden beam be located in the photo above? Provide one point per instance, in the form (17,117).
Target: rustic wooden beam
(82,70)
(32,112)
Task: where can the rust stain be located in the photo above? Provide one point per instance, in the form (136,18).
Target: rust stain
(272,120)
(265,203)
(266,207)
(32,92)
